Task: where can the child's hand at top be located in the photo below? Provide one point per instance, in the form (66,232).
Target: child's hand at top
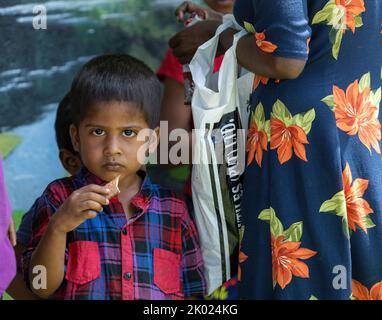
(185,43)
(192,8)
(82,204)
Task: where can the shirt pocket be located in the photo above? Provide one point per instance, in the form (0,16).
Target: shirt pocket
(167,270)
(84,262)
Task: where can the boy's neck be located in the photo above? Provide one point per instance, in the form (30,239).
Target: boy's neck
(129,187)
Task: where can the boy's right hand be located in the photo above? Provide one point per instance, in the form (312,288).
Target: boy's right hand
(82,204)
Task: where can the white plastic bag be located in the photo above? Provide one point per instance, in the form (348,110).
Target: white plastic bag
(219,108)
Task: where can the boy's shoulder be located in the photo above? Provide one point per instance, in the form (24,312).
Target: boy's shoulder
(59,190)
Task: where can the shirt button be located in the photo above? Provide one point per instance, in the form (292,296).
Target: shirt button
(124,231)
(127,276)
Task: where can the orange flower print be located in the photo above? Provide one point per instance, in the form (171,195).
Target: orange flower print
(289,133)
(258,79)
(357,208)
(256,143)
(283,138)
(356,114)
(260,37)
(349,204)
(257,139)
(286,251)
(340,15)
(286,256)
(360,292)
(353,8)
(264,45)
(242,258)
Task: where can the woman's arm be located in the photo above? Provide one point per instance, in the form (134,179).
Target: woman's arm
(176,113)
(250,56)
(173,109)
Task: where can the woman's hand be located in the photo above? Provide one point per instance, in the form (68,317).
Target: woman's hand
(12,233)
(191,8)
(186,42)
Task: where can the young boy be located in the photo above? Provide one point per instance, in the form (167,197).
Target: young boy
(141,244)
(71,163)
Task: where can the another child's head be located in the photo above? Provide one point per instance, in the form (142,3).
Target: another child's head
(113,98)
(68,157)
(222,6)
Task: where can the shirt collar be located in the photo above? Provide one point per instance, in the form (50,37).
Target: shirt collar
(141,199)
(85,177)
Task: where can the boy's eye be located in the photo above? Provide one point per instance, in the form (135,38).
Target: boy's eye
(128,133)
(98,132)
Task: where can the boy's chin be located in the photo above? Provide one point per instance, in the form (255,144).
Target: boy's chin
(105,174)
(109,175)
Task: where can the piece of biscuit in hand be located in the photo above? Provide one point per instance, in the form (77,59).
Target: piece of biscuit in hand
(113,187)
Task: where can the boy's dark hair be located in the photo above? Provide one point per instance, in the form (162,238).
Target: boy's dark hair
(116,77)
(62,125)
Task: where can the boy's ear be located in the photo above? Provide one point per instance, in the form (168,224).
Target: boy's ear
(73,131)
(71,162)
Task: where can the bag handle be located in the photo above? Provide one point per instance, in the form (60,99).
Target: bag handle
(229,66)
(202,63)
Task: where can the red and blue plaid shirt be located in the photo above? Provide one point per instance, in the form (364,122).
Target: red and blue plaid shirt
(153,255)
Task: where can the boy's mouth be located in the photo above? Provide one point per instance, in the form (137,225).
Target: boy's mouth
(113,166)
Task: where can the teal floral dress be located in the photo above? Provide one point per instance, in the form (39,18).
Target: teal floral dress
(312,203)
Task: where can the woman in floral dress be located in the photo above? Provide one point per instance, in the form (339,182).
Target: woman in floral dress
(312,204)
(313,189)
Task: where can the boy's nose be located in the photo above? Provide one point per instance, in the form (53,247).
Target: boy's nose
(112,147)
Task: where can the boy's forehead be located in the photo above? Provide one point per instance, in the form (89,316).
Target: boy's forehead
(114,112)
